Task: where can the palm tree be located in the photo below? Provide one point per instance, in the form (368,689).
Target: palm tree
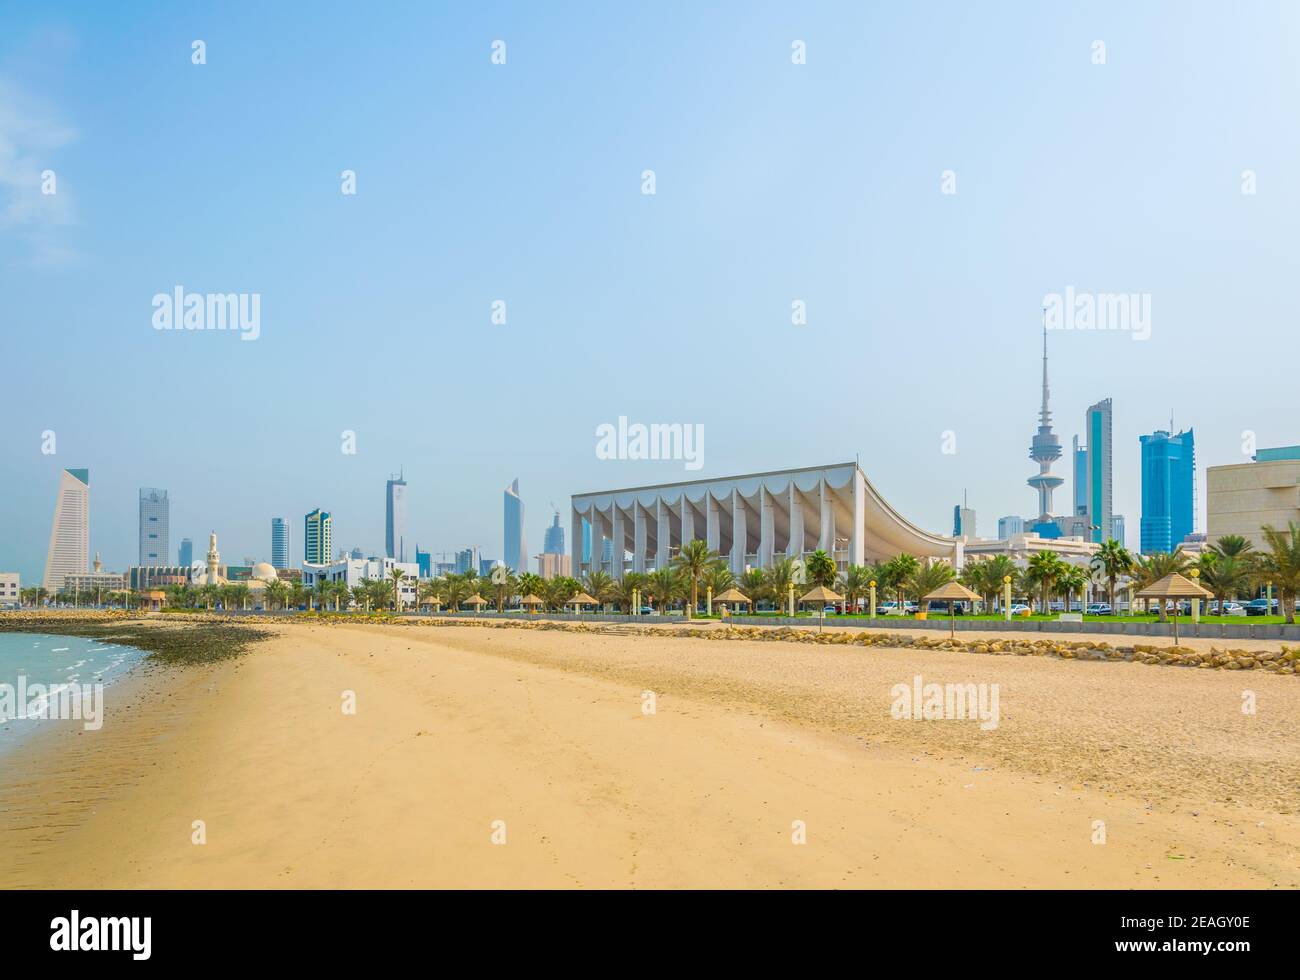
(396,574)
(754,584)
(1111,561)
(1231,545)
(560,590)
(720,578)
(276,591)
(779,578)
(693,562)
(1073,579)
(1225,575)
(625,586)
(600,586)
(297,594)
(924,579)
(820,569)
(854,583)
(901,569)
(1281,564)
(1043,570)
(455,589)
(321,591)
(530,583)
(210,594)
(666,585)
(361,596)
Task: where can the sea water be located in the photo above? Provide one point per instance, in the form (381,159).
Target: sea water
(27,659)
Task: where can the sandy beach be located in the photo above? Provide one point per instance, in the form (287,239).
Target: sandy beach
(497,757)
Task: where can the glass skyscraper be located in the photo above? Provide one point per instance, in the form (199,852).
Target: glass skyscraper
(279,543)
(1168,490)
(395,522)
(155,548)
(1099,481)
(516,543)
(185,556)
(553,543)
(316,539)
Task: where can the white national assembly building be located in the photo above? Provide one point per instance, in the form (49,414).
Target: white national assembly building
(752,520)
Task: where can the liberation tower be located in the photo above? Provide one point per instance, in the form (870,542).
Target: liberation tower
(1045,450)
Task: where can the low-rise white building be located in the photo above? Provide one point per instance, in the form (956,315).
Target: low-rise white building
(353,571)
(10,590)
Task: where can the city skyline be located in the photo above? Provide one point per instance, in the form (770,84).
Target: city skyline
(1066,173)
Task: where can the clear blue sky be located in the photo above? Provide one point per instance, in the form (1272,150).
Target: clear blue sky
(521,182)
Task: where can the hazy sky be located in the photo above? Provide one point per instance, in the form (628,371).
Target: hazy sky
(522,182)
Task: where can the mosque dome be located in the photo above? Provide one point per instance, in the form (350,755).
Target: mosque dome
(264,571)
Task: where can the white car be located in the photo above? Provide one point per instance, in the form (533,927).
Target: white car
(889,609)
(1020,609)
(1229,609)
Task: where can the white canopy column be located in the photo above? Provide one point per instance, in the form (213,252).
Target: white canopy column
(575,539)
(795,546)
(858,539)
(639,543)
(597,538)
(663,533)
(766,528)
(826,541)
(712,523)
(619,546)
(688,520)
(739,532)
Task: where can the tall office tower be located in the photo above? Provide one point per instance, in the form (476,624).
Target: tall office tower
(1168,490)
(1097,496)
(466,560)
(423,563)
(1045,449)
(155,511)
(317,537)
(69,550)
(185,554)
(1117,527)
(395,524)
(279,542)
(553,542)
(1009,527)
(1080,458)
(516,543)
(963,522)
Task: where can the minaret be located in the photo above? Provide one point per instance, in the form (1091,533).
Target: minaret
(214,559)
(99,565)
(1044,450)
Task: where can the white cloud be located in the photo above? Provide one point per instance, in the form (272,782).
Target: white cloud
(30,136)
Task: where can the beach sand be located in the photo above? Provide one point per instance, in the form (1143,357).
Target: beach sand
(464,733)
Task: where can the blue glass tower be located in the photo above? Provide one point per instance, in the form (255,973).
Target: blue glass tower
(1168,490)
(279,543)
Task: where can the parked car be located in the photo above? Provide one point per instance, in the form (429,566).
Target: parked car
(1259,607)
(1020,609)
(1230,608)
(1099,609)
(828,610)
(888,609)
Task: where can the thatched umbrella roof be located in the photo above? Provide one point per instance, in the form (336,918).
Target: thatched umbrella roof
(822,594)
(474,600)
(431,600)
(731,595)
(581,599)
(1175,586)
(951,592)
(531,600)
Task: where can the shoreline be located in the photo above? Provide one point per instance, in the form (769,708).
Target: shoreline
(544,729)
